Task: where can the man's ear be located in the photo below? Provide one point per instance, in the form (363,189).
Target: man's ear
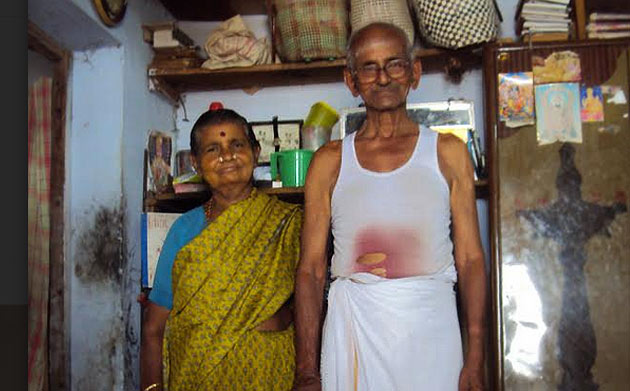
(416,72)
(348,78)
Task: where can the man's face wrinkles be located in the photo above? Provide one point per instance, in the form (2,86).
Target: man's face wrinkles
(384,92)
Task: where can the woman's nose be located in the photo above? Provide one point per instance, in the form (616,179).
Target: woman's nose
(227,154)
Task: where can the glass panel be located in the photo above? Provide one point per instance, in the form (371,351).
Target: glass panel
(564,258)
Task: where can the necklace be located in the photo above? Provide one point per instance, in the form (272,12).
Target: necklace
(207,208)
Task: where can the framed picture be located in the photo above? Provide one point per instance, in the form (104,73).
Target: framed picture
(160,147)
(269,133)
(454,116)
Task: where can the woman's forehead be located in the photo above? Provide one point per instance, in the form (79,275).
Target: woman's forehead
(224,129)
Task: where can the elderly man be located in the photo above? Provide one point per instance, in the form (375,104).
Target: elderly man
(390,192)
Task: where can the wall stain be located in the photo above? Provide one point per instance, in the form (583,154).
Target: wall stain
(102,248)
(101,263)
(103,367)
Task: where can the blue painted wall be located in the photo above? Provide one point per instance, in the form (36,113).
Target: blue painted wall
(110,112)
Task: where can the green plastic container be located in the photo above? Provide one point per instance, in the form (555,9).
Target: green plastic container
(292,166)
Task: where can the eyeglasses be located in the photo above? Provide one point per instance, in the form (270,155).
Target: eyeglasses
(395,69)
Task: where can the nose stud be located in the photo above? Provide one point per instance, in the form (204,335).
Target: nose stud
(221,160)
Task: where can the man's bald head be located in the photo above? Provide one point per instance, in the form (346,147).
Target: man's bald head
(370,31)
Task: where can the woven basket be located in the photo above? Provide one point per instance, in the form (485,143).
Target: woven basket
(454,24)
(306,30)
(396,12)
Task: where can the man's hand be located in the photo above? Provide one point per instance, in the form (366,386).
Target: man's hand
(307,383)
(471,378)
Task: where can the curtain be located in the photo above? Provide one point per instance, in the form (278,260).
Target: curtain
(39,137)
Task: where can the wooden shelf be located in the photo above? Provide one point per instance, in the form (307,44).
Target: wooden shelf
(171,202)
(173,82)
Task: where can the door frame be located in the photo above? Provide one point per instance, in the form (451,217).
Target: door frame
(40,42)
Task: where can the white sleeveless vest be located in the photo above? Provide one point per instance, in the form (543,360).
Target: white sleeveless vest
(399,218)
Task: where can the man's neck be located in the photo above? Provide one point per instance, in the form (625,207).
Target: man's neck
(387,124)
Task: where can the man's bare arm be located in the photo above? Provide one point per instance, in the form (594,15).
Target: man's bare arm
(312,267)
(457,168)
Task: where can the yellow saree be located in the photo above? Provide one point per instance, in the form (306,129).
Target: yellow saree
(230,278)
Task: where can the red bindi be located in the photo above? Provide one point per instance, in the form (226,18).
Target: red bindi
(222,134)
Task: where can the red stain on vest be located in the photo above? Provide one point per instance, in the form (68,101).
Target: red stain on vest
(400,247)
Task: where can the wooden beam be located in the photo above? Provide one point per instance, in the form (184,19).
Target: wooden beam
(57,324)
(40,42)
(494,363)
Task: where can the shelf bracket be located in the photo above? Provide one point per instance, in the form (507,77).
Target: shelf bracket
(157,84)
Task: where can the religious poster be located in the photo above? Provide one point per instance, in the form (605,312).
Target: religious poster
(592,104)
(561,228)
(557,67)
(160,147)
(516,98)
(558,113)
(183,161)
(615,93)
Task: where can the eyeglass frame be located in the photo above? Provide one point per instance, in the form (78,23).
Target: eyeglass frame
(407,69)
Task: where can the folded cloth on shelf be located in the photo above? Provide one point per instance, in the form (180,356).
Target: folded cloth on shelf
(233,45)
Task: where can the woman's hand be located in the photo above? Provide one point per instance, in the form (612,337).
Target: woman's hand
(153,324)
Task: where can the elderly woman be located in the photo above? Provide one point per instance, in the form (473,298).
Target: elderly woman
(218,316)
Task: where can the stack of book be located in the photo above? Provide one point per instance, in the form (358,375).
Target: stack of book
(543,20)
(608,25)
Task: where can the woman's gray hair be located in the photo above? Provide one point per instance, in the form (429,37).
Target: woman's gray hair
(351,49)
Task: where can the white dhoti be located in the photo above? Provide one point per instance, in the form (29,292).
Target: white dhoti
(392,334)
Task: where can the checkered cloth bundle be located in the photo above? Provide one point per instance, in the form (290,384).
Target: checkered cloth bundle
(396,12)
(310,29)
(454,24)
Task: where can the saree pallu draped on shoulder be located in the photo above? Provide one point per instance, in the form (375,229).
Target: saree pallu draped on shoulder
(230,278)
